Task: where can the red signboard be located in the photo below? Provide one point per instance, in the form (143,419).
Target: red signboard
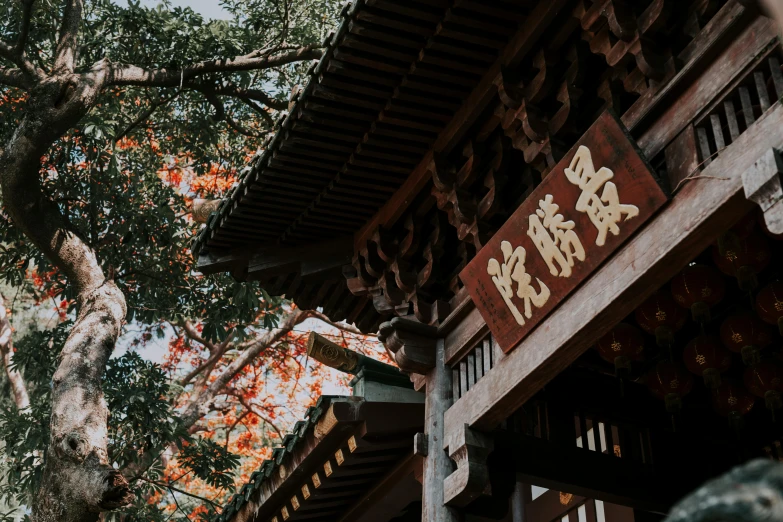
(590,203)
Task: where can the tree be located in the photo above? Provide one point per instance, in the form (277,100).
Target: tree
(178,432)
(90,189)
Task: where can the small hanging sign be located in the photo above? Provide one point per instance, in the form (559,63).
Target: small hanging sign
(599,194)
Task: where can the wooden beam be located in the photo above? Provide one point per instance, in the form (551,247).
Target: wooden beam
(589,474)
(713,81)
(266,262)
(393,491)
(696,215)
(549,505)
(691,57)
(522,41)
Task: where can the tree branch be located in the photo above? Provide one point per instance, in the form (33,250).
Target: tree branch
(242,93)
(243,130)
(20,60)
(200,406)
(14,78)
(141,118)
(169,486)
(342,326)
(249,407)
(259,110)
(209,363)
(18,386)
(192,334)
(65,54)
(222,115)
(24,26)
(139,76)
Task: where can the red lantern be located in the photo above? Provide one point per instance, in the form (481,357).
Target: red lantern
(764,380)
(621,346)
(732,400)
(745,226)
(741,229)
(743,258)
(670,382)
(699,288)
(745,334)
(769,303)
(706,356)
(661,316)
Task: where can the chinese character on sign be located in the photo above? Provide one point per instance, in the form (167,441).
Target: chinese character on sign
(563,245)
(605,212)
(513,270)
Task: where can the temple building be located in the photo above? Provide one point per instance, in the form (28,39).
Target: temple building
(564,220)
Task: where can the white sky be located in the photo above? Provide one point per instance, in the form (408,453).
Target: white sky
(207,8)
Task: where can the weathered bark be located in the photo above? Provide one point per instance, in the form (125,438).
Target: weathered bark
(78,481)
(15,379)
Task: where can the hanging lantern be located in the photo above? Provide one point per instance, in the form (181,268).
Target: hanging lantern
(745,334)
(744,258)
(706,356)
(733,401)
(699,288)
(741,229)
(671,382)
(621,346)
(769,303)
(661,316)
(764,380)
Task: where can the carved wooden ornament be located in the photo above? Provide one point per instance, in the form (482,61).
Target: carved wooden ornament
(596,197)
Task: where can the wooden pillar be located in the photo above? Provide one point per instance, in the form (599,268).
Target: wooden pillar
(518,497)
(437,465)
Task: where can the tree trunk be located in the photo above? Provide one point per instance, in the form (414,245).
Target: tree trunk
(78,482)
(18,387)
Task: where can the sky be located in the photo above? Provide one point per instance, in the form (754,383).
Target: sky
(207,8)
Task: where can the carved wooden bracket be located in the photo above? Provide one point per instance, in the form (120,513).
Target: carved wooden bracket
(469,450)
(412,343)
(763,184)
(202,208)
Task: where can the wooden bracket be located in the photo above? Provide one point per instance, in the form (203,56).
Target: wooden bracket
(471,479)
(763,183)
(411,342)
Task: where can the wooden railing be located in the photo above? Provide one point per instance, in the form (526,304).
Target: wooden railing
(477,363)
(557,506)
(746,101)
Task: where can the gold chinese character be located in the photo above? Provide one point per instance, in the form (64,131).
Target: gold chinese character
(607,211)
(513,270)
(563,236)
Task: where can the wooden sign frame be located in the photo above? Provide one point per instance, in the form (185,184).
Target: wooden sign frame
(595,198)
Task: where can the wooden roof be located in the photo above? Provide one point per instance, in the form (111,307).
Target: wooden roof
(427,122)
(345,449)
(391,78)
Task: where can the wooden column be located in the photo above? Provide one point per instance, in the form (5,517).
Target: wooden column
(437,465)
(518,501)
